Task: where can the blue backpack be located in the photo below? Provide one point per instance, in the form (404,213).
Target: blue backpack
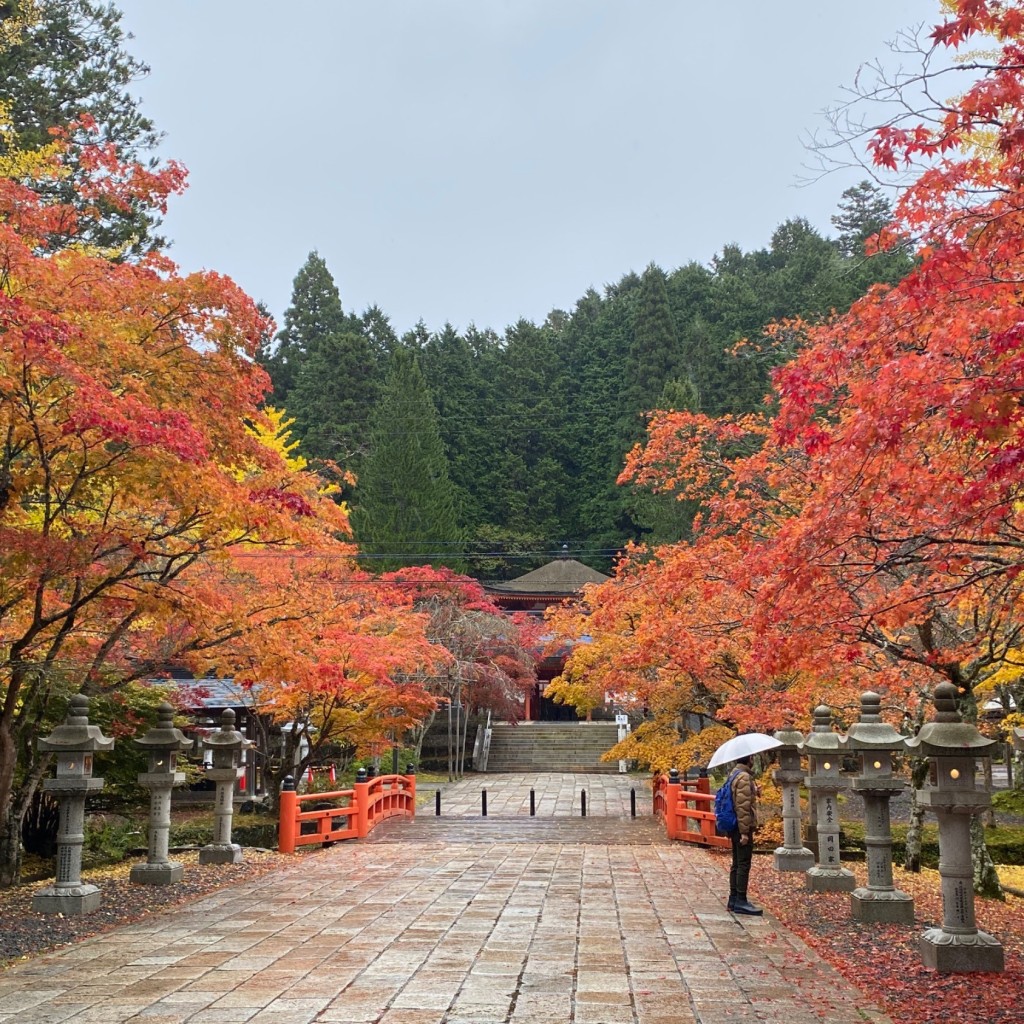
(725,807)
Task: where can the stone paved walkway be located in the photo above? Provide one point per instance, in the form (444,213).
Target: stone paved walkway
(485,930)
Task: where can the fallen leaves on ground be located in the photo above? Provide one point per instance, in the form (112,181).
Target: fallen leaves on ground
(25,932)
(883,960)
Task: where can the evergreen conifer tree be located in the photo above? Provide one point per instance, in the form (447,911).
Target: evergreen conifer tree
(315,313)
(335,392)
(653,353)
(863,211)
(60,59)
(661,517)
(528,485)
(405,511)
(462,398)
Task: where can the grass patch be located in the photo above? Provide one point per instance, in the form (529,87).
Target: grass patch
(1009,801)
(1005,843)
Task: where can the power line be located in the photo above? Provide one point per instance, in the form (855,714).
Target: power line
(411,554)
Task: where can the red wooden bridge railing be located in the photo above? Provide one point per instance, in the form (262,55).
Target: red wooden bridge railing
(367,803)
(687,809)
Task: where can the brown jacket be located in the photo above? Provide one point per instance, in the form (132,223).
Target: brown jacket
(744,797)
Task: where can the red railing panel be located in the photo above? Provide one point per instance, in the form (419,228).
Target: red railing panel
(688,811)
(367,804)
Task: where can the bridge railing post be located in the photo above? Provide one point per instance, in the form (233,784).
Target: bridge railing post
(410,783)
(361,803)
(672,792)
(287,825)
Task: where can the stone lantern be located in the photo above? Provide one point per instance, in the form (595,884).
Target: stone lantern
(74,743)
(951,746)
(163,743)
(823,749)
(792,855)
(876,741)
(226,746)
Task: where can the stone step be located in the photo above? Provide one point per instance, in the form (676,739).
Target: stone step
(556,747)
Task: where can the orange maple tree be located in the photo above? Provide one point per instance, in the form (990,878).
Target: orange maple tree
(489,657)
(868,530)
(143,517)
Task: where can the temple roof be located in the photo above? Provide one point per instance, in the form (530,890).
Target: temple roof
(564,576)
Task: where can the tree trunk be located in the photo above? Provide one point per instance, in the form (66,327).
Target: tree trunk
(419,733)
(10,829)
(912,856)
(18,789)
(10,848)
(986,881)
(990,814)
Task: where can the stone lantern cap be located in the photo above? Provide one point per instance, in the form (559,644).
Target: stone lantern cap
(1018,738)
(75,733)
(163,736)
(821,739)
(871,733)
(227,737)
(948,735)
(789,737)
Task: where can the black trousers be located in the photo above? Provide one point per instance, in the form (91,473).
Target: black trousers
(739,873)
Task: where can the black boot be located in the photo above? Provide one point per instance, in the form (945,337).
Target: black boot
(744,906)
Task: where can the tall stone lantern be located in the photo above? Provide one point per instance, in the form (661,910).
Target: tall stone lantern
(952,746)
(226,746)
(792,855)
(74,742)
(163,743)
(876,742)
(823,748)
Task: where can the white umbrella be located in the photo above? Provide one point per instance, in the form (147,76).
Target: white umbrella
(742,746)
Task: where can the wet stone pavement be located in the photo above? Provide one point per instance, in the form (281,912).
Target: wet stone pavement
(458,920)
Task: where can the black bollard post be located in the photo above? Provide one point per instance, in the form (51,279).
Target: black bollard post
(483,802)
(583,803)
(632,803)
(533,805)
(437,803)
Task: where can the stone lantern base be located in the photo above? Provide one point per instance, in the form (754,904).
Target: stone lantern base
(830,880)
(221,853)
(947,951)
(792,860)
(66,899)
(157,874)
(890,907)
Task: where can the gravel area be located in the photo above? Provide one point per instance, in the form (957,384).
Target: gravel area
(25,932)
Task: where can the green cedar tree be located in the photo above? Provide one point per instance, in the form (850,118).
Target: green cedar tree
(405,511)
(69,59)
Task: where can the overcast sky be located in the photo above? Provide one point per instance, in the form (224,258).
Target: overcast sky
(485,160)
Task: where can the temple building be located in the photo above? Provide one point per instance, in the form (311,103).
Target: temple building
(551,584)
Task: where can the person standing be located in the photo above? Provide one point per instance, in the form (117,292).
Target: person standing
(744,798)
